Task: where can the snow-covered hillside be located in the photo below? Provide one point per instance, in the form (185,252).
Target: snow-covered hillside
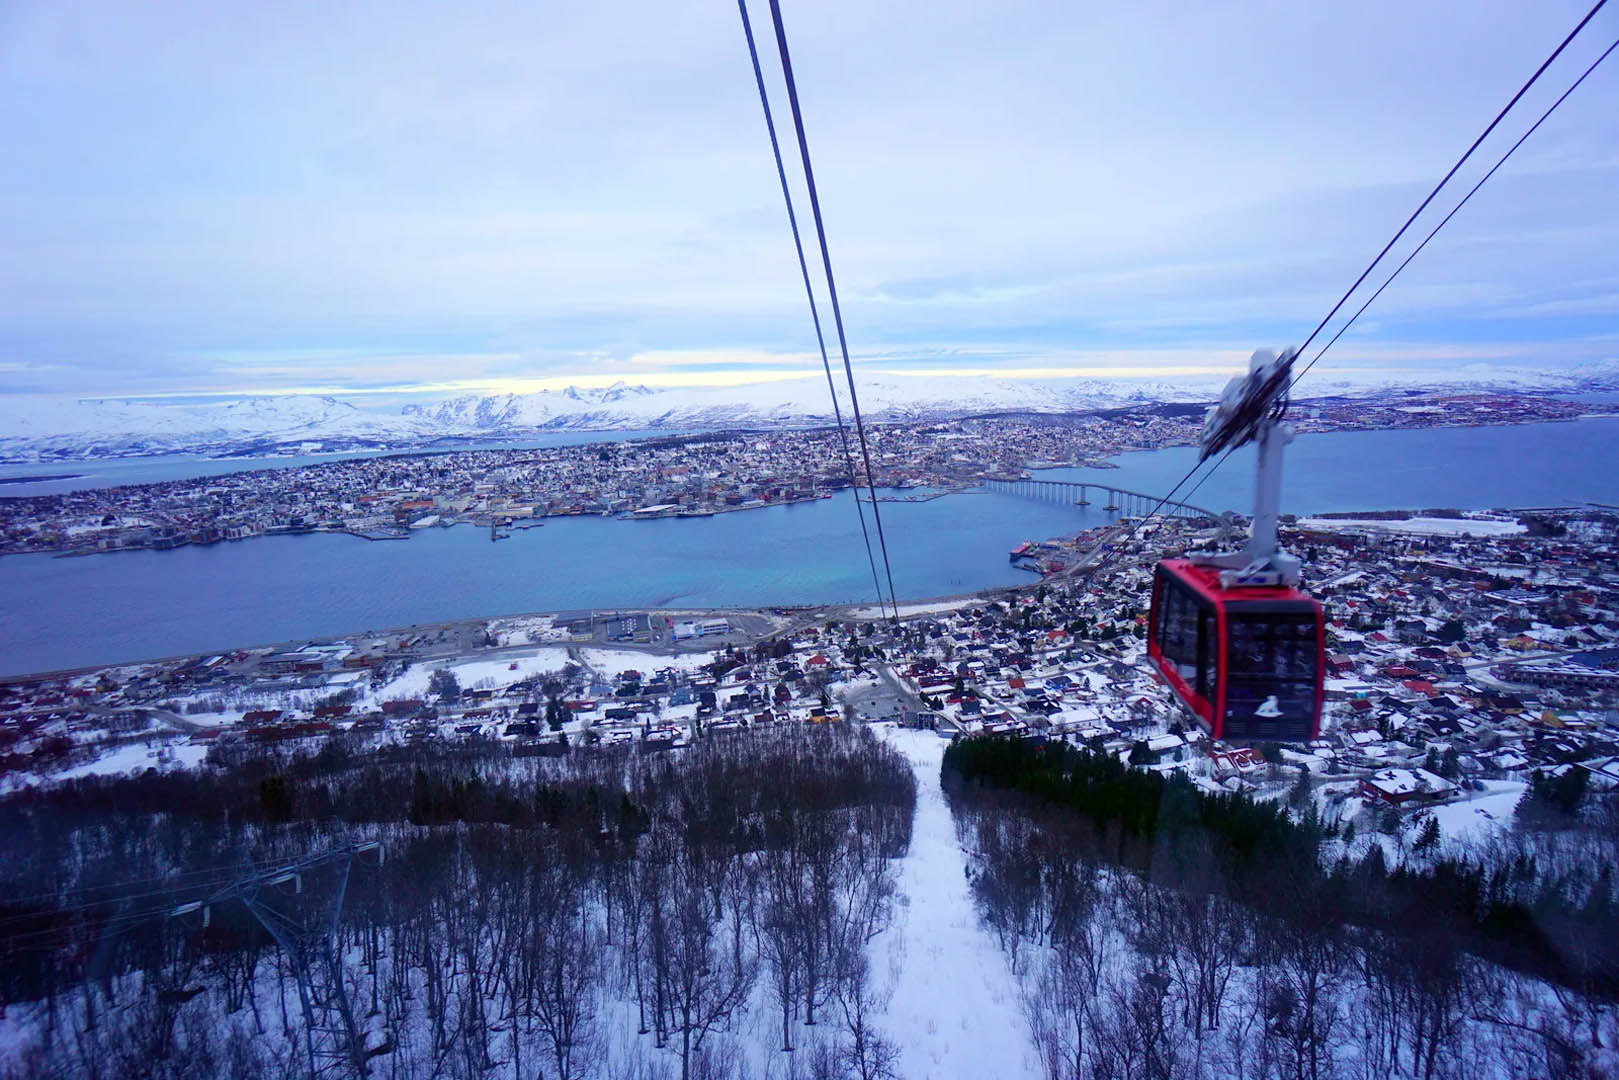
(802,400)
(45,429)
(953,1003)
(914,397)
(41,429)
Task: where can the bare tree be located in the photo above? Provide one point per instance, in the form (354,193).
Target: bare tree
(710,973)
(568,984)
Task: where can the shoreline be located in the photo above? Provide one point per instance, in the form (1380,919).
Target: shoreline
(35,479)
(928,493)
(862,610)
(799,613)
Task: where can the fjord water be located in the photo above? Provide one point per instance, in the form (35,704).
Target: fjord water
(1470,468)
(57,613)
(60,613)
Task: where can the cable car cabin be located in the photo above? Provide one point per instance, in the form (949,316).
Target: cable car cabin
(1247,660)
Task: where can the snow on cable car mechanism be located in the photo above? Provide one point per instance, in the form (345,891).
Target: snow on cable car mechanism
(1231,633)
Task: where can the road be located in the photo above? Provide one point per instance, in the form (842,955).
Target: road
(152,712)
(911,700)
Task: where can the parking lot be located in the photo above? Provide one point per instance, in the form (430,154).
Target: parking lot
(879,702)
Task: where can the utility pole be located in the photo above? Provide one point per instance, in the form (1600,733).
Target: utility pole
(306,930)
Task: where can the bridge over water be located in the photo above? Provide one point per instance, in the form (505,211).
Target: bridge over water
(1115,499)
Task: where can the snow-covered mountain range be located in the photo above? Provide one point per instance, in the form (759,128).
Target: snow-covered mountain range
(796,401)
(39,429)
(43,429)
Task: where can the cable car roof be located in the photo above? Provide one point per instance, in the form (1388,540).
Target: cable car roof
(1206,580)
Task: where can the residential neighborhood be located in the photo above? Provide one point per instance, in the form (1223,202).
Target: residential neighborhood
(1459,664)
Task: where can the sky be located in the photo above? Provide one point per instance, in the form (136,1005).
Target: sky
(251,198)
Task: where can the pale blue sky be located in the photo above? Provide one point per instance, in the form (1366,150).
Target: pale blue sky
(243,197)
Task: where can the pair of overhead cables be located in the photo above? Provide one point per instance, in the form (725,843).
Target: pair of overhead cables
(91,897)
(1407,225)
(832,295)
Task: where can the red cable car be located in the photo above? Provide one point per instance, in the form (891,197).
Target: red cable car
(1232,635)
(1247,661)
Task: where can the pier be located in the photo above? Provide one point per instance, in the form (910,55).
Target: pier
(1123,501)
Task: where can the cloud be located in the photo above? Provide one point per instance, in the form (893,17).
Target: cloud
(198,196)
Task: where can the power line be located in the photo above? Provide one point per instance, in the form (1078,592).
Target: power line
(832,292)
(124,890)
(214,884)
(809,291)
(1210,473)
(1435,232)
(1432,233)
(1524,89)
(1425,202)
(204,881)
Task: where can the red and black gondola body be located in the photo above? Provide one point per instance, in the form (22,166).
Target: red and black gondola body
(1247,661)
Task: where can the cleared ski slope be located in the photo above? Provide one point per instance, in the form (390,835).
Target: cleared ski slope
(954,1011)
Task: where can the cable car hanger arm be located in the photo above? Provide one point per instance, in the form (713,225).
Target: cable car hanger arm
(1251,410)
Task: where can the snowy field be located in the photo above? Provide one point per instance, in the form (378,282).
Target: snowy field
(871,612)
(138,757)
(612,662)
(471,674)
(1482,818)
(413,683)
(1464,825)
(1421,526)
(526,630)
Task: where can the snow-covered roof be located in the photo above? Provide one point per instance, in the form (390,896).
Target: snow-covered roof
(1410,781)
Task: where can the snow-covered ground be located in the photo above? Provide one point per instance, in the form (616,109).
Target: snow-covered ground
(954,1011)
(526,630)
(1422,526)
(413,683)
(473,674)
(1474,819)
(1479,818)
(905,610)
(138,757)
(613,661)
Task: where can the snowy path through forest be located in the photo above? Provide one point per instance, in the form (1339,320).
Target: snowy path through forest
(954,1011)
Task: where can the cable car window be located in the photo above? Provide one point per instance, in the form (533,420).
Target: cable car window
(1160,608)
(1208,654)
(1186,636)
(1281,648)
(1180,633)
(1271,673)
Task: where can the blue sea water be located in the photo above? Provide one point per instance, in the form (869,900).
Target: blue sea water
(67,612)
(59,613)
(1417,468)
